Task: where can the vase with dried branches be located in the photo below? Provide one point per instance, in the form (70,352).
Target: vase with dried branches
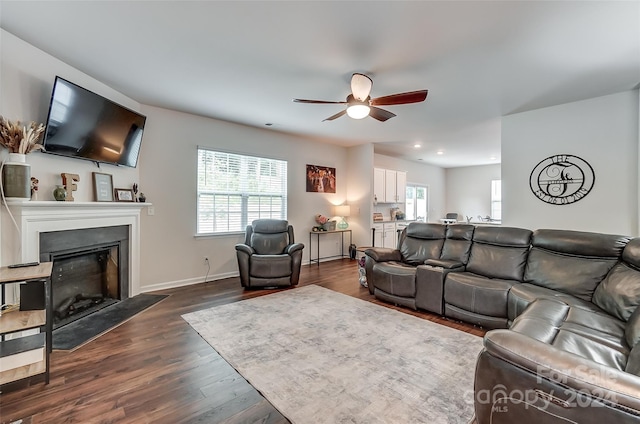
(19,140)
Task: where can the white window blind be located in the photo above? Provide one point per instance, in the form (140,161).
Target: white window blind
(233,190)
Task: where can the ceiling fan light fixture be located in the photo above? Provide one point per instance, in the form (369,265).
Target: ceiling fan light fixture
(358,111)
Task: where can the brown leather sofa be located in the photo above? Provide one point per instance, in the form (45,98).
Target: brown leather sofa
(564,308)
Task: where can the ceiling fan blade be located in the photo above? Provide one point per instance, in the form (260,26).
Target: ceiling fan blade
(380,114)
(337,115)
(400,98)
(326,102)
(361,86)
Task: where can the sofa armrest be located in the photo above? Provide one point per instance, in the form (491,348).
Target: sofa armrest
(292,248)
(553,367)
(245,249)
(430,285)
(383,254)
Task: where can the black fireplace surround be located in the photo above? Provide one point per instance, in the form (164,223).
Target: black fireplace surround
(91,269)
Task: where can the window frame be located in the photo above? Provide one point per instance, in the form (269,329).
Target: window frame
(242,194)
(496,199)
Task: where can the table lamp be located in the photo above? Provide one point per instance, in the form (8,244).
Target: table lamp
(343,211)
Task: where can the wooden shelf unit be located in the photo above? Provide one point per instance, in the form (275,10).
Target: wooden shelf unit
(28,355)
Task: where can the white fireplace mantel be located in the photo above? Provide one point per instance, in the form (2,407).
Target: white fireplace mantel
(35,217)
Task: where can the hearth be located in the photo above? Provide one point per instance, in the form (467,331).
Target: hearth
(90,270)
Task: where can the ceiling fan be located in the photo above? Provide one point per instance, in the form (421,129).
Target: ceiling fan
(361,105)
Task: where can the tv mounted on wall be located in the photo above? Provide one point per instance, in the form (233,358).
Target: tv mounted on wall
(82,124)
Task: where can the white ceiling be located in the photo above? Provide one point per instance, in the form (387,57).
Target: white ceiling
(245,61)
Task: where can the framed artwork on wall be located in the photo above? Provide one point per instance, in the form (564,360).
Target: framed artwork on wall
(321,179)
(102,187)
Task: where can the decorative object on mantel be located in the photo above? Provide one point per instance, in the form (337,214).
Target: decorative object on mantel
(69,181)
(561,179)
(16,173)
(124,195)
(34,188)
(135,192)
(142,198)
(59,193)
(102,187)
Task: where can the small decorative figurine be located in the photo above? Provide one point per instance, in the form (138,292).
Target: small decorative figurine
(135,192)
(34,188)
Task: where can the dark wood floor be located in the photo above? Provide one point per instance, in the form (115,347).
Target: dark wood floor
(156,369)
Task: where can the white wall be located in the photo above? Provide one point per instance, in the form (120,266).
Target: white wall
(360,168)
(468,190)
(422,174)
(171,255)
(26,81)
(166,173)
(604,132)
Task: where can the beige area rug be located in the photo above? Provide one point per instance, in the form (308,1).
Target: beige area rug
(323,357)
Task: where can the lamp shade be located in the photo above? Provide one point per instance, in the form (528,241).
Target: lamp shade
(343,210)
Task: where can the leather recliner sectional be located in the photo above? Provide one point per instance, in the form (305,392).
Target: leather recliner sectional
(563,306)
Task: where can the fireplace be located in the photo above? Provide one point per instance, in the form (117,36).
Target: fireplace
(90,270)
(49,218)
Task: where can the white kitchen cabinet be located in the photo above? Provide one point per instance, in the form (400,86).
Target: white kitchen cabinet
(385,235)
(401,187)
(389,186)
(378,235)
(390,237)
(378,185)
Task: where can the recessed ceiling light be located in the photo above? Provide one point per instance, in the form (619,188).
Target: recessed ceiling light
(417,145)
(493,158)
(440,152)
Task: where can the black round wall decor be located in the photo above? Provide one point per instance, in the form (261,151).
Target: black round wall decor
(561,179)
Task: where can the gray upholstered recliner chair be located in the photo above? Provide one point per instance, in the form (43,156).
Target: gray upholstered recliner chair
(269,256)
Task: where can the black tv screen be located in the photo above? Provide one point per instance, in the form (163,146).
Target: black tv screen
(85,125)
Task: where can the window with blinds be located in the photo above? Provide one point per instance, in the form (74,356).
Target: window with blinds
(233,190)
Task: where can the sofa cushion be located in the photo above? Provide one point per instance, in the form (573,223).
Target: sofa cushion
(633,361)
(499,252)
(632,329)
(269,243)
(522,295)
(421,241)
(478,294)
(569,274)
(619,293)
(396,278)
(457,245)
(591,334)
(572,262)
(270,266)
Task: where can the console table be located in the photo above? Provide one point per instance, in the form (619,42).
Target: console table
(323,233)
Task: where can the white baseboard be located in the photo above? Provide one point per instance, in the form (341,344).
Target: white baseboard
(186,282)
(198,280)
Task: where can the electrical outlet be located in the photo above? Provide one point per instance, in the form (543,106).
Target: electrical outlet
(151,210)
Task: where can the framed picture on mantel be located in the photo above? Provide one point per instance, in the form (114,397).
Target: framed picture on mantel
(102,187)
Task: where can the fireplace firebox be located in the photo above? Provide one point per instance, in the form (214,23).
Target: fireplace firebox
(90,270)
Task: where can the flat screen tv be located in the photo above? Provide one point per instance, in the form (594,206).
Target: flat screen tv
(85,125)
